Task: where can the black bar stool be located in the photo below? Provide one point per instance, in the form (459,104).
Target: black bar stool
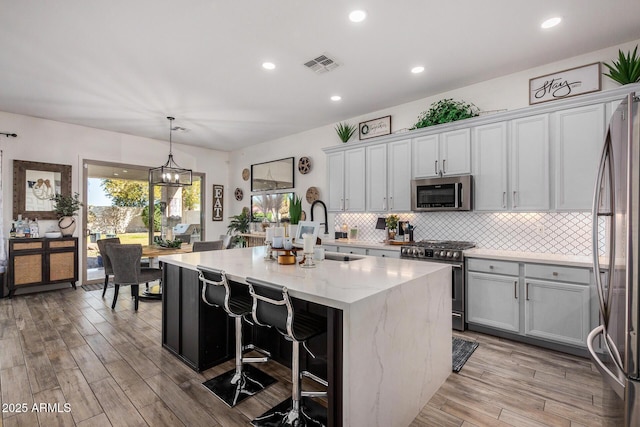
(272,307)
(233,386)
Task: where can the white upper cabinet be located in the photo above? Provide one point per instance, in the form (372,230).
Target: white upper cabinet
(447,153)
(388,182)
(346,180)
(578,138)
(489,169)
(529,146)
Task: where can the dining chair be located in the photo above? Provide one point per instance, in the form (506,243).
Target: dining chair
(226,240)
(212,245)
(125,260)
(106,261)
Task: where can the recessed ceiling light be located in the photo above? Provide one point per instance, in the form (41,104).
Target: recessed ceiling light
(336,98)
(268,65)
(417,70)
(357,16)
(551,22)
(124,170)
(115,174)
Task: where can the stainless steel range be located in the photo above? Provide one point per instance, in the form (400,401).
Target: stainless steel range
(448,252)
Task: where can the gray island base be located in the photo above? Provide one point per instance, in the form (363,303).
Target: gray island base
(388,345)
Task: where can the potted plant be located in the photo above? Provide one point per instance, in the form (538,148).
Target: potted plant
(65,209)
(295,213)
(345,131)
(239,224)
(627,69)
(445,111)
(392,225)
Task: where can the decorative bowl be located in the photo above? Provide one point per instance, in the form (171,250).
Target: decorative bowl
(52,234)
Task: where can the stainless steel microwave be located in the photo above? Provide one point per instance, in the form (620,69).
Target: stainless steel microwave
(452,193)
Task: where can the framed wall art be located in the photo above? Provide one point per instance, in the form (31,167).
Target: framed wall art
(375,127)
(565,84)
(218,203)
(34,184)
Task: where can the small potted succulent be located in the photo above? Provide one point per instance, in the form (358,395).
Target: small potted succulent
(66,207)
(345,131)
(627,69)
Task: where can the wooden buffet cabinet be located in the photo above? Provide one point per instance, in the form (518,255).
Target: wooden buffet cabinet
(42,261)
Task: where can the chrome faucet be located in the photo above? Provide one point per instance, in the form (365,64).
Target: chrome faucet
(326,225)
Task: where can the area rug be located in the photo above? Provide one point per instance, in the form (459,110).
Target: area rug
(462,350)
(95,286)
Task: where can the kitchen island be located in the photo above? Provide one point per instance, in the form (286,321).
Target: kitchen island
(388,320)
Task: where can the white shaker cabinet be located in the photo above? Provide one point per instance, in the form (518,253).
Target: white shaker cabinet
(529,147)
(489,169)
(346,180)
(388,177)
(447,153)
(578,138)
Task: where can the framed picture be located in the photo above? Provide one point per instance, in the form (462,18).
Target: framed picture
(565,84)
(375,127)
(34,184)
(306,227)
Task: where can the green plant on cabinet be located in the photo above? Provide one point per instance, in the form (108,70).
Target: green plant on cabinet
(627,69)
(446,111)
(345,131)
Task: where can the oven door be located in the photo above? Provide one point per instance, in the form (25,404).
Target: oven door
(457,297)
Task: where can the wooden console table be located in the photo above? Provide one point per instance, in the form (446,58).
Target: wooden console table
(42,261)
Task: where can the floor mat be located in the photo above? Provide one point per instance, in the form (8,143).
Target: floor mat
(462,350)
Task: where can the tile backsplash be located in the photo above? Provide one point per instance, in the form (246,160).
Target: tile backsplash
(566,233)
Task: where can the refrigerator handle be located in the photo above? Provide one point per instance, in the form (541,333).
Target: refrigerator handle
(615,381)
(605,159)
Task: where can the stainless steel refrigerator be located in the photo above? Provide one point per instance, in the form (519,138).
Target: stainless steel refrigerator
(614,346)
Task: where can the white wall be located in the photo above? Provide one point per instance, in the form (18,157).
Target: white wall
(49,141)
(509,92)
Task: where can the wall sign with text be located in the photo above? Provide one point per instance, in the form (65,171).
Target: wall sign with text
(218,202)
(564,84)
(375,127)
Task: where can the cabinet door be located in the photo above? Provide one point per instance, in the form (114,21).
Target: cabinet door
(492,301)
(376,166)
(579,136)
(455,152)
(530,163)
(489,153)
(335,178)
(425,157)
(354,177)
(557,311)
(399,176)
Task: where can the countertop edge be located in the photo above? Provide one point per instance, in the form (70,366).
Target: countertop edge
(531,257)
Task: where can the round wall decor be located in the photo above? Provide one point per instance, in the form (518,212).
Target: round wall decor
(304,165)
(239,194)
(246,174)
(312,194)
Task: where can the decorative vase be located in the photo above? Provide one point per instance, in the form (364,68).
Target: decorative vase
(392,235)
(67,225)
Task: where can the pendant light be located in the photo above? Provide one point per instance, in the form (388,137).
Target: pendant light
(170,174)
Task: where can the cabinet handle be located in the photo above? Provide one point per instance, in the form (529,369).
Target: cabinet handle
(346,204)
(504,199)
(391,202)
(491,267)
(555,273)
(436,167)
(384,203)
(514,199)
(515,289)
(444,166)
(341,204)
(526,291)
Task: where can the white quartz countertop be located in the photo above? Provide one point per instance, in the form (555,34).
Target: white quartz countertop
(332,283)
(361,244)
(534,257)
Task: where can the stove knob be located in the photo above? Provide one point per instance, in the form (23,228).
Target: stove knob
(442,254)
(448,254)
(456,255)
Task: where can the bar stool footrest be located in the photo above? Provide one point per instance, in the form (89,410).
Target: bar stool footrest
(314,377)
(311,414)
(251,382)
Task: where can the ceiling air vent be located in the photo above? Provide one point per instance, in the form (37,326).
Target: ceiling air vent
(321,64)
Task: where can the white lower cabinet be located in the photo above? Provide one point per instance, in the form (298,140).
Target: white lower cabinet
(492,300)
(384,253)
(546,302)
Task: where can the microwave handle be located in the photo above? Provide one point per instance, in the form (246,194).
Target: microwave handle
(458,188)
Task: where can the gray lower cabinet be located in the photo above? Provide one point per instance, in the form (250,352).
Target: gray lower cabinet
(546,303)
(385,253)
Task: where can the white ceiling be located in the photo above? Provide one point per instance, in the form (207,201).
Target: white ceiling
(125,65)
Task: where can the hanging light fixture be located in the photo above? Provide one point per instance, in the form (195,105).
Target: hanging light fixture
(170,174)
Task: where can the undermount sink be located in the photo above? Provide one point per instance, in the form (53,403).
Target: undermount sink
(341,257)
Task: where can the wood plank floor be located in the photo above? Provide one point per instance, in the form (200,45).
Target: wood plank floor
(69,347)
